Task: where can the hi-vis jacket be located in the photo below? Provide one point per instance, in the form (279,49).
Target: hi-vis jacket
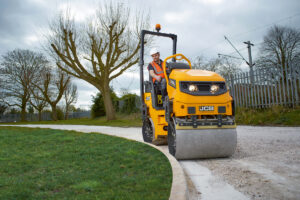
(158,70)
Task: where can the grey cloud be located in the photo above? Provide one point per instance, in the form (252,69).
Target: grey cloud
(18,20)
(200,28)
(208,24)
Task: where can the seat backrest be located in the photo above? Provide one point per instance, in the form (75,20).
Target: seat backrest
(175,65)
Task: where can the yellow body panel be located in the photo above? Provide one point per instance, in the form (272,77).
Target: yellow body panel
(180,109)
(181,101)
(195,75)
(157,117)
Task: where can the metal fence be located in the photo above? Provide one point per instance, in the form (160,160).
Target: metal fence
(45,116)
(267,86)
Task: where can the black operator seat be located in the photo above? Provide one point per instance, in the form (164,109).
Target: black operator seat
(177,65)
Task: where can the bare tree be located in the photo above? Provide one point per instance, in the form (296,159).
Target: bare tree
(229,66)
(19,69)
(52,88)
(199,62)
(281,47)
(222,66)
(37,101)
(106,47)
(70,96)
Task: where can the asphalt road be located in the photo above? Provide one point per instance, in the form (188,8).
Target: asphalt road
(266,164)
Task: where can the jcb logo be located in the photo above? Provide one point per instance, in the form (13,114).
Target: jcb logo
(206,108)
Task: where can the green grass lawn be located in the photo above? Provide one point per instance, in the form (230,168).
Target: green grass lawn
(279,116)
(133,120)
(55,164)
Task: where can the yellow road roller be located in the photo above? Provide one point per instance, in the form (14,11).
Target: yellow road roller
(196,118)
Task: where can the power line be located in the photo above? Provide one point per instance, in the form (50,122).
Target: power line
(211,46)
(235,49)
(242,49)
(251,30)
(223,55)
(265,26)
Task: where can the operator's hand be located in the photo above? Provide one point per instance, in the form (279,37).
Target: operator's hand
(158,78)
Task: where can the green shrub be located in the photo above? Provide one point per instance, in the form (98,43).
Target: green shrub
(14,111)
(98,108)
(2,108)
(130,103)
(60,113)
(30,110)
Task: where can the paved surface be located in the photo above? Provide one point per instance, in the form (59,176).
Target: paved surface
(266,164)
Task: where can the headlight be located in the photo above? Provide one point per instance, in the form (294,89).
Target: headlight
(193,88)
(214,89)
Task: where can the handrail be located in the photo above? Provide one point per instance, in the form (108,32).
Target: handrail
(177,56)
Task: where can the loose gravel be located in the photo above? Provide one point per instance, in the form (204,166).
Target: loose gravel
(266,164)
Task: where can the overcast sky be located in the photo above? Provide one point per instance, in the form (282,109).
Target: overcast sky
(199,24)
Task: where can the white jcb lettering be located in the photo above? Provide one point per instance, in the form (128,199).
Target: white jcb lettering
(206,108)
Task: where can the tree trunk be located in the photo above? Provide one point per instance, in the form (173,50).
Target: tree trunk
(40,115)
(54,113)
(23,113)
(109,108)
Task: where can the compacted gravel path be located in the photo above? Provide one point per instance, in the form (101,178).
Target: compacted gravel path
(266,164)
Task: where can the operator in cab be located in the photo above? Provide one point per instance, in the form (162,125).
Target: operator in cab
(157,73)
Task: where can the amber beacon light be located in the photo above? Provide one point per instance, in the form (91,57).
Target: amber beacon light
(157,27)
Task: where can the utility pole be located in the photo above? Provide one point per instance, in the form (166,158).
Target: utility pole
(249,44)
